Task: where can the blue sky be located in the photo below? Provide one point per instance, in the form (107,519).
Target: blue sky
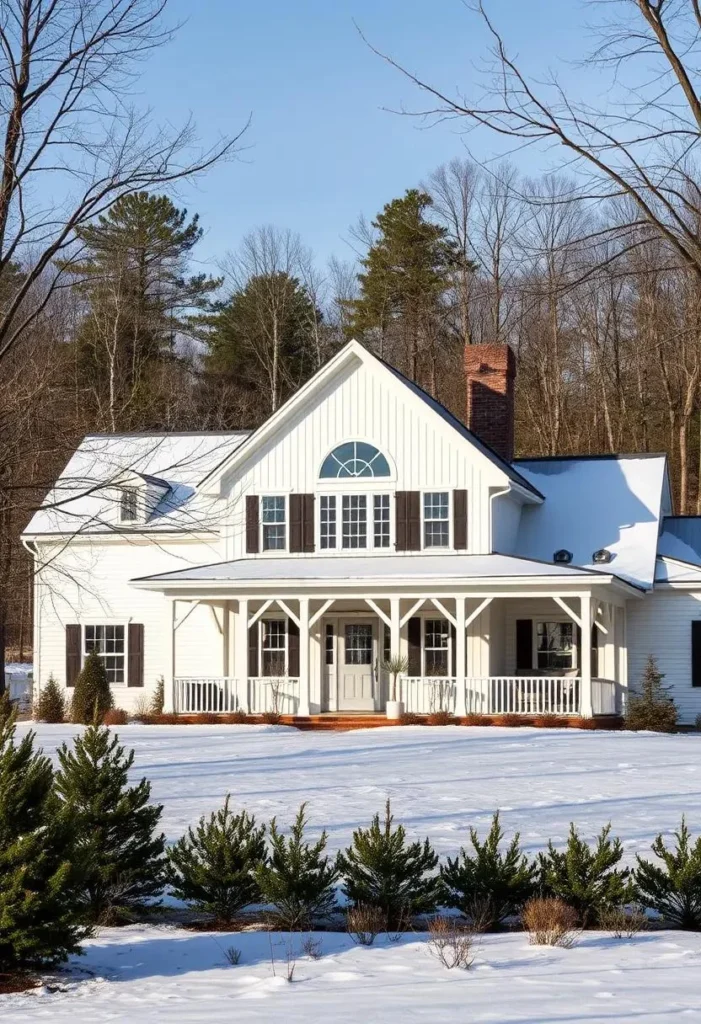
(321,149)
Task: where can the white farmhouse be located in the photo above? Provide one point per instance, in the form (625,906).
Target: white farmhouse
(280,569)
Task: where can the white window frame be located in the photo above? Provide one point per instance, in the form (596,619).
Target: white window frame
(369,495)
(552,621)
(449,520)
(425,619)
(133,491)
(106,625)
(286,524)
(262,648)
(334,499)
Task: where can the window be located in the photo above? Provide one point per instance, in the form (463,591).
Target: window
(436,648)
(555,645)
(354,459)
(274,651)
(354,521)
(128,505)
(108,642)
(381,512)
(358,644)
(274,528)
(329,645)
(436,520)
(327,522)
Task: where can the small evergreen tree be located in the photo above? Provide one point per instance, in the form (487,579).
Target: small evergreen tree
(92,696)
(158,699)
(38,868)
(585,878)
(651,707)
(298,880)
(673,889)
(381,870)
(490,883)
(51,703)
(121,854)
(214,866)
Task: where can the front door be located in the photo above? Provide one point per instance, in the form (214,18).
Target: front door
(356,675)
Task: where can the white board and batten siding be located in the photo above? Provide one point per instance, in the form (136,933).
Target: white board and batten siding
(661,625)
(424,451)
(89,585)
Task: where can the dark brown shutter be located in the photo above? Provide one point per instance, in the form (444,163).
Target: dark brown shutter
(594,652)
(73,635)
(253,650)
(252,521)
(296,506)
(135,654)
(524,645)
(307,522)
(413,632)
(408,521)
(460,520)
(696,652)
(453,641)
(292,648)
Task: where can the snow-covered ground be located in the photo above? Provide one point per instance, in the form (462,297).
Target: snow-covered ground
(440,781)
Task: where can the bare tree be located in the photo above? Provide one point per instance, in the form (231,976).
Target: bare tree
(73,142)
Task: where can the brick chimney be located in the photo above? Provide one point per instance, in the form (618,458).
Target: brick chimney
(491,371)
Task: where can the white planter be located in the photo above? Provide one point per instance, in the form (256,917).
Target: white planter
(394,708)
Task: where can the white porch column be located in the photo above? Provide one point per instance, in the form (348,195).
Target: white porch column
(241,654)
(460,665)
(586,705)
(169,687)
(303,656)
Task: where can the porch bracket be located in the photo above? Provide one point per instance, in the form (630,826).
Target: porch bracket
(261,611)
(178,622)
(287,610)
(412,611)
(441,608)
(478,611)
(599,625)
(567,610)
(378,611)
(313,619)
(219,625)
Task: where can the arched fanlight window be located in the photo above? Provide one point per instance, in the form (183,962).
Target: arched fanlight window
(354,459)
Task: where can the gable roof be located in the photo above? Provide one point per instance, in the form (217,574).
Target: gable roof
(354,350)
(84,499)
(613,502)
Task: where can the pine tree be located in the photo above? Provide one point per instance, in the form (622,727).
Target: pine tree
(39,871)
(381,870)
(651,707)
(51,703)
(92,696)
(674,888)
(121,853)
(587,879)
(490,884)
(158,698)
(214,866)
(298,880)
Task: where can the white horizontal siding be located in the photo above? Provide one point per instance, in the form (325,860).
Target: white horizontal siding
(661,625)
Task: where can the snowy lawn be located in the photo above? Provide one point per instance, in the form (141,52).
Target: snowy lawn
(440,781)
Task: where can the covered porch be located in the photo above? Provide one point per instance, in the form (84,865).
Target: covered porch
(471,646)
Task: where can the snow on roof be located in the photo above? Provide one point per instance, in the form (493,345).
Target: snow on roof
(85,497)
(611,502)
(356,568)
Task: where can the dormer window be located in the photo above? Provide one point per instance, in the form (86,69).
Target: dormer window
(129,505)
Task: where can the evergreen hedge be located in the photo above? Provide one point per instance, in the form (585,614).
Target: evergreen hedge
(92,696)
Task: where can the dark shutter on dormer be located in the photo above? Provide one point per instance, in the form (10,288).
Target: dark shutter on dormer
(73,634)
(253,651)
(696,652)
(413,632)
(307,522)
(460,520)
(408,520)
(524,645)
(301,522)
(252,520)
(296,523)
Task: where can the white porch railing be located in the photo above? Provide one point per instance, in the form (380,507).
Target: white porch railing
(523,695)
(224,694)
(422,695)
(603,696)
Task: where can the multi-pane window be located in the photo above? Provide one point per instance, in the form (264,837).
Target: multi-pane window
(358,644)
(274,647)
(354,523)
(381,519)
(108,642)
(128,505)
(555,647)
(436,647)
(436,520)
(327,521)
(329,644)
(274,526)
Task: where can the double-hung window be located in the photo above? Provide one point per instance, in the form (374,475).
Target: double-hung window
(274,523)
(109,643)
(381,520)
(354,521)
(128,505)
(274,647)
(327,521)
(436,519)
(555,648)
(436,647)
